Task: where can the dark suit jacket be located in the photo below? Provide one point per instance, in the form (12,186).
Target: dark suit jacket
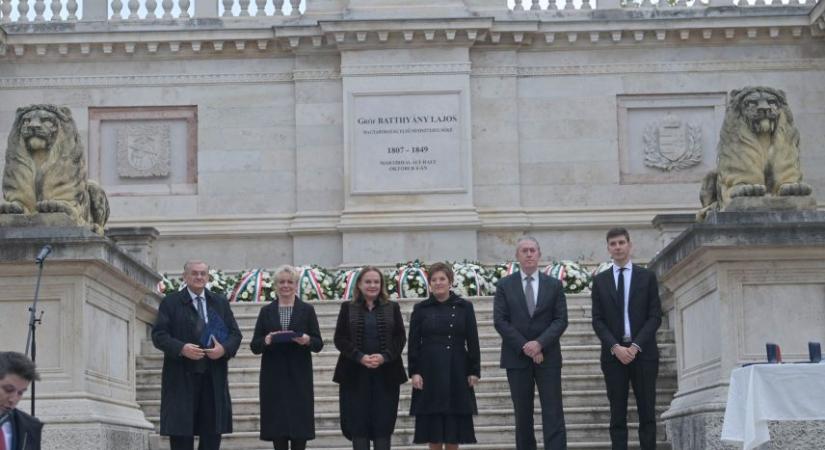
(516,327)
(27,429)
(175,326)
(644,309)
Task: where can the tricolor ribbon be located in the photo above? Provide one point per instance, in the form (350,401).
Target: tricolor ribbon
(309,274)
(349,282)
(254,278)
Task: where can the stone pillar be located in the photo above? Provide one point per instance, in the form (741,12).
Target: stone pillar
(97,304)
(139,242)
(672,225)
(730,285)
(95,10)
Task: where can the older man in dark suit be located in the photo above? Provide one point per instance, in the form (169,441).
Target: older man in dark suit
(18,430)
(530,314)
(626,314)
(194,382)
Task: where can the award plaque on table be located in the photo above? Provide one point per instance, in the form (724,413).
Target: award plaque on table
(285,337)
(215,328)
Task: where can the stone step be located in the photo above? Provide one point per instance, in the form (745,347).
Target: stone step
(487,337)
(244,420)
(595,398)
(594,381)
(329,355)
(488,369)
(501,437)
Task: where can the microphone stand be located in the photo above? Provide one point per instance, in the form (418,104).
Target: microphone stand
(31,340)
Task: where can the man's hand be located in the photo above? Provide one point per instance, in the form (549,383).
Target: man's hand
(417,382)
(301,340)
(623,354)
(192,352)
(531,348)
(472,380)
(539,358)
(215,352)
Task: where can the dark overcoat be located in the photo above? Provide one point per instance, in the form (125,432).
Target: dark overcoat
(443,348)
(26,431)
(175,326)
(285,389)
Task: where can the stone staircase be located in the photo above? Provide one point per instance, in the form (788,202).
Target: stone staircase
(585,402)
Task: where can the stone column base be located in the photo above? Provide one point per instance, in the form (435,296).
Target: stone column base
(94,436)
(702,431)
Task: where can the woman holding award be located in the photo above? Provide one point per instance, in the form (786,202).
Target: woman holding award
(285,333)
(444,361)
(370,336)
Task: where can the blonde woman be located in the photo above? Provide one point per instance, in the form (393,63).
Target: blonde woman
(286,332)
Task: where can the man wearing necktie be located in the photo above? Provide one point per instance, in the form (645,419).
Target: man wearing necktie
(627,313)
(195,397)
(18,430)
(530,314)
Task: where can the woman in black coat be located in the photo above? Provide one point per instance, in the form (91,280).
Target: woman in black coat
(370,336)
(286,331)
(444,361)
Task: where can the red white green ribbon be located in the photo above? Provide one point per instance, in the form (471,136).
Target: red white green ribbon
(309,274)
(252,278)
(349,284)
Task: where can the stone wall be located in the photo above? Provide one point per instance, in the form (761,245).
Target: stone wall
(566,120)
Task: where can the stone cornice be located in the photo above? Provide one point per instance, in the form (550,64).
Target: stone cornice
(252,35)
(406,69)
(152,80)
(664,67)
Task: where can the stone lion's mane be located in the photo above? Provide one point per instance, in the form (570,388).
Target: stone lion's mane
(61,177)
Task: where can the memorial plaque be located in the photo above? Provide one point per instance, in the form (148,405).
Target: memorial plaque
(407,143)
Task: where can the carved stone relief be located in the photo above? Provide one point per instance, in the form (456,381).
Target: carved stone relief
(671,144)
(143,150)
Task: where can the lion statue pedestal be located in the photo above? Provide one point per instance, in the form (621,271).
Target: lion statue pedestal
(752,271)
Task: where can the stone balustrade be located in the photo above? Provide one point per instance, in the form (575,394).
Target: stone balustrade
(25,11)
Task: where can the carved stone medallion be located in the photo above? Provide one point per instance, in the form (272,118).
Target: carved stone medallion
(143,150)
(671,144)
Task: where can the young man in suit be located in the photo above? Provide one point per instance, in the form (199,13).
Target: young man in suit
(194,397)
(626,314)
(18,430)
(530,314)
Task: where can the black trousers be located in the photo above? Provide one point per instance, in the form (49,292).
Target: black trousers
(204,409)
(382,443)
(284,444)
(523,383)
(642,376)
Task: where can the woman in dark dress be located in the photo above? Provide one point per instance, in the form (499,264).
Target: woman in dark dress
(445,364)
(370,336)
(286,394)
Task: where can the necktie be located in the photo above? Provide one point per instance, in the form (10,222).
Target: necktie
(620,289)
(201,311)
(529,296)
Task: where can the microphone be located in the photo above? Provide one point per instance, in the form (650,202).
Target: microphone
(44,252)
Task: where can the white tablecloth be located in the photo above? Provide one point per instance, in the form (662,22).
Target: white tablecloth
(764,392)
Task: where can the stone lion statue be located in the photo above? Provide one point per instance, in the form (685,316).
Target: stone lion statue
(45,169)
(758,151)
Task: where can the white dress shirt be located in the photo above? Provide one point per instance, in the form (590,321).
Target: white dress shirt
(195,303)
(535,284)
(7,430)
(627,273)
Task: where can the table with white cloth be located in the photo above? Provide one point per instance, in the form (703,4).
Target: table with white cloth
(763,392)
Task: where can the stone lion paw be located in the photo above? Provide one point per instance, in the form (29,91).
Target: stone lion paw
(53,206)
(748,190)
(10,208)
(799,189)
